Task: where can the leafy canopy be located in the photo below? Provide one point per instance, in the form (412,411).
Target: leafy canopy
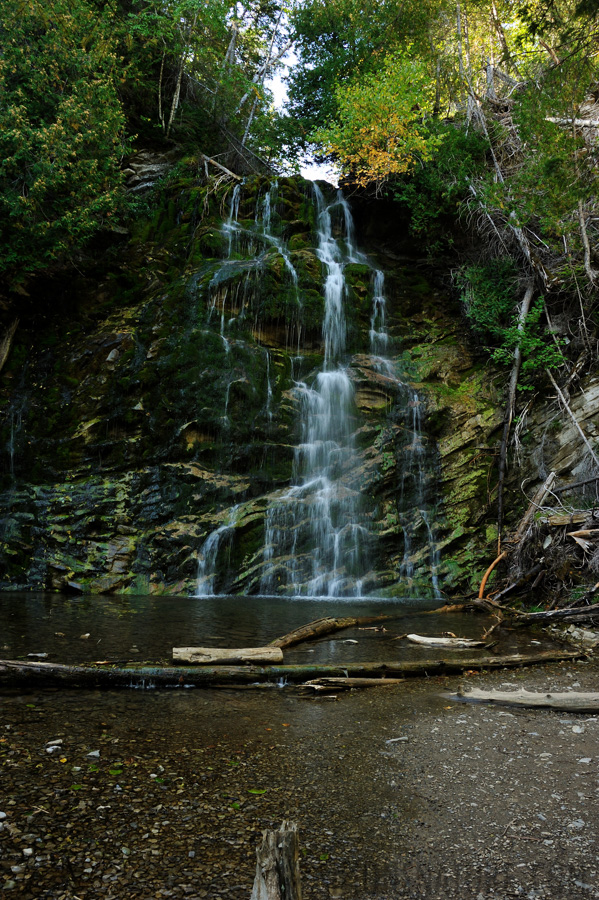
(62,131)
(380,128)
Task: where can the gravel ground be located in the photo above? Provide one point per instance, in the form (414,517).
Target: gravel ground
(397,792)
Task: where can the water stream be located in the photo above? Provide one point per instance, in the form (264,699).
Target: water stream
(316,525)
(318,538)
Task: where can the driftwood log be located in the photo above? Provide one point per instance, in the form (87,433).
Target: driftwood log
(446,643)
(277,865)
(347,684)
(210,655)
(21,672)
(570,614)
(568,701)
(321,627)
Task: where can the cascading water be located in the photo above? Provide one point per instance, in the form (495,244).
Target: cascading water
(208,555)
(318,536)
(414,507)
(316,525)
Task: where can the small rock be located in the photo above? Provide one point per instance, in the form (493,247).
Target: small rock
(395,740)
(576,825)
(37,656)
(84,637)
(585,760)
(28,851)
(2,815)
(94,754)
(578,729)
(55,743)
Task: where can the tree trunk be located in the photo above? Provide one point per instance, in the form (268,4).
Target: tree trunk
(348,684)
(23,673)
(6,342)
(591,274)
(573,417)
(571,701)
(500,32)
(321,627)
(277,865)
(509,410)
(211,655)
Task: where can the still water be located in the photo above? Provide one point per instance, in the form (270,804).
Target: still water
(144,628)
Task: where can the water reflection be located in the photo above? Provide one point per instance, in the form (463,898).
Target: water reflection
(144,628)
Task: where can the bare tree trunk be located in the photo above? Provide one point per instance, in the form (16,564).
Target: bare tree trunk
(437,107)
(500,32)
(176,95)
(509,410)
(161,76)
(277,865)
(246,133)
(591,274)
(460,53)
(6,342)
(177,92)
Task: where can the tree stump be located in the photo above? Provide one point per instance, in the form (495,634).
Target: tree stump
(277,865)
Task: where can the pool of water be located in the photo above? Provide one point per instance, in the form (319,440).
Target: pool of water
(145,628)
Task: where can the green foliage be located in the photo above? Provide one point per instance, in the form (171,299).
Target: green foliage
(488,293)
(434,191)
(61,132)
(558,172)
(380,129)
(341,40)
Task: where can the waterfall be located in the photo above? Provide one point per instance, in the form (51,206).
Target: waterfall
(208,555)
(318,536)
(415,465)
(316,525)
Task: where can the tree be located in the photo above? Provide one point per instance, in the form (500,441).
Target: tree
(62,131)
(381,124)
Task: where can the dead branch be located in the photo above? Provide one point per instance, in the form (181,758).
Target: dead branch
(213,162)
(347,684)
(510,408)
(534,505)
(483,584)
(575,484)
(6,342)
(570,701)
(321,627)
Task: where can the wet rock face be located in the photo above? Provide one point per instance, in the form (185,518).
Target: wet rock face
(167,397)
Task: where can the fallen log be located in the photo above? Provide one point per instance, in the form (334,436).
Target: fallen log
(321,627)
(277,865)
(446,642)
(213,162)
(556,615)
(568,701)
(21,672)
(346,684)
(211,655)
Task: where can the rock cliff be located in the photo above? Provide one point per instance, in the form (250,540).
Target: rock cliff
(153,404)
